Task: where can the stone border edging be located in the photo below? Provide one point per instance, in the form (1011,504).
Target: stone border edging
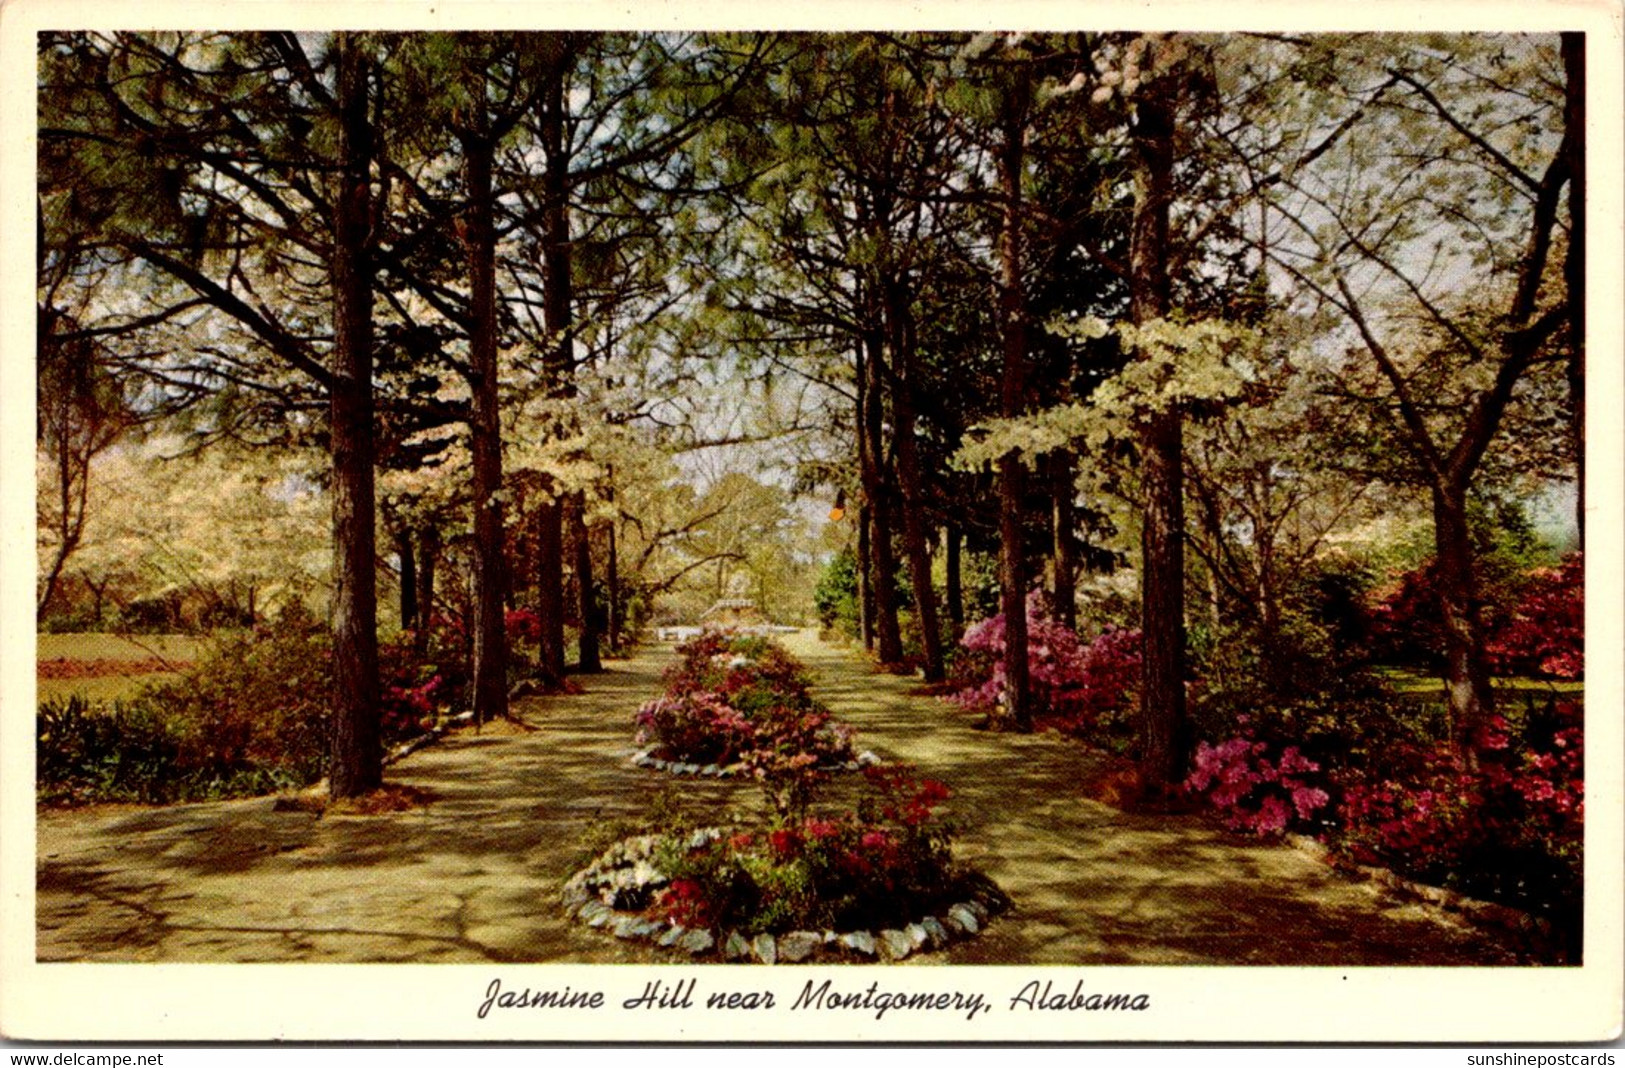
(433,734)
(645,758)
(590,896)
(1488,912)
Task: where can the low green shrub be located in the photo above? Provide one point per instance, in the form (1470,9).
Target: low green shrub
(251,716)
(86,753)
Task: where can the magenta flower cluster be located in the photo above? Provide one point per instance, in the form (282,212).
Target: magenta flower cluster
(1431,820)
(1075,686)
(1256,791)
(741,699)
(1546,632)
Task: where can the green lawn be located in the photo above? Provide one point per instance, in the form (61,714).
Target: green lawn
(111,647)
(117,647)
(1411,682)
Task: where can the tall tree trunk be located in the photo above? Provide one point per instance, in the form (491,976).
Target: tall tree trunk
(559,360)
(1012,400)
(883,564)
(409,579)
(612,577)
(1162,598)
(1163,730)
(485,427)
(1064,551)
(356,764)
(70,523)
(1215,614)
(956,594)
(866,594)
(428,559)
(1469,694)
(1574,270)
(1269,595)
(866,597)
(589,659)
(901,345)
(612,600)
(550,585)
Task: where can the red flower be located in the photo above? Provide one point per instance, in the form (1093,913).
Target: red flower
(785,842)
(685,904)
(818,829)
(875,840)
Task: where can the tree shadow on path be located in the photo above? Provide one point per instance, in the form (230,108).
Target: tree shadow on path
(474,874)
(1095,885)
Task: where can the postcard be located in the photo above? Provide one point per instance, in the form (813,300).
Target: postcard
(1053,523)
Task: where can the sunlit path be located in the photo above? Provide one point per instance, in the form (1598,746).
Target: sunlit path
(474,874)
(1093,885)
(471,876)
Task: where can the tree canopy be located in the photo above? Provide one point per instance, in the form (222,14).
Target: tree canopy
(593,324)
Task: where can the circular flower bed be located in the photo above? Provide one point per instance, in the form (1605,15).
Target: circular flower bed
(738,704)
(875,883)
(646,758)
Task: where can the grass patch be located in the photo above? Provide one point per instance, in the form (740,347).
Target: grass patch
(1410,682)
(103,689)
(102,668)
(118,647)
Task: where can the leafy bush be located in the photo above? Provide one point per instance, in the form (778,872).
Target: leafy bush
(1545,633)
(123,753)
(253,712)
(1511,830)
(249,717)
(742,698)
(1534,620)
(1407,621)
(1111,682)
(836,596)
(884,864)
(697,726)
(746,670)
(1083,690)
(1256,789)
(791,751)
(417,687)
(523,625)
(1319,743)
(1298,684)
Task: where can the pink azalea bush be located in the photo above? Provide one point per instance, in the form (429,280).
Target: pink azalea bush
(1077,688)
(746,670)
(1546,632)
(790,752)
(696,726)
(735,698)
(406,708)
(1257,791)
